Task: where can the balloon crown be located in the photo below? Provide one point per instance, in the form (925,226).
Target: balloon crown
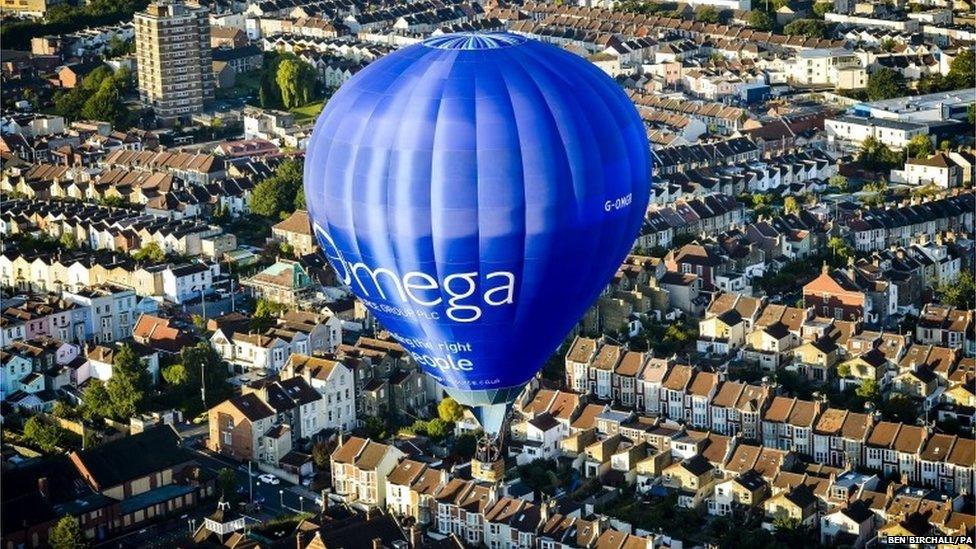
(474,41)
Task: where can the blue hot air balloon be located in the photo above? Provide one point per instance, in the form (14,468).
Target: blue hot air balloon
(477,192)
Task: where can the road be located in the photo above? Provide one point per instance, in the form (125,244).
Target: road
(284,497)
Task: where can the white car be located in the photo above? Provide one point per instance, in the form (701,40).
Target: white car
(269,479)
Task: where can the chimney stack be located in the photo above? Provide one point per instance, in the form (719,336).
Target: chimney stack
(377,543)
(416,537)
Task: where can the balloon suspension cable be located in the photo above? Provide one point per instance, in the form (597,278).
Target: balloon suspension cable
(489,447)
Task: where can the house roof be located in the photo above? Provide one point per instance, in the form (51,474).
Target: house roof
(112,463)
(297,222)
(251,406)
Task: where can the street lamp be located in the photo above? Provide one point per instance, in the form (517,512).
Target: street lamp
(301,503)
(281,499)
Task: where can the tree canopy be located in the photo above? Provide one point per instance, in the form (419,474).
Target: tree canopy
(150,252)
(920,146)
(449,410)
(760,20)
(275,196)
(886,83)
(811,28)
(960,293)
(67,534)
(99,96)
(296,82)
(876,156)
(42,433)
(129,383)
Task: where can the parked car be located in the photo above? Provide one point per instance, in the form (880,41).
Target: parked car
(268,478)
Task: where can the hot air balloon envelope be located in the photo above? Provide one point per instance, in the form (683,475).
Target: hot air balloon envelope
(477,192)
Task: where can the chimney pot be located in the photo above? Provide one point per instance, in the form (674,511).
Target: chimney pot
(377,543)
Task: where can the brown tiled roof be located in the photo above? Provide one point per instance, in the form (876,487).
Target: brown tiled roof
(963,452)
(703,384)
(607,357)
(405,472)
(728,394)
(252,407)
(856,426)
(831,422)
(630,364)
(581,350)
(883,434)
(804,413)
(910,438)
(371,456)
(779,410)
(769,461)
(296,223)
(678,378)
(347,452)
(938,448)
(540,402)
(743,458)
(587,417)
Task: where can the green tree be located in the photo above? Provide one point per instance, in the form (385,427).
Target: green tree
(838,182)
(840,250)
(268,93)
(118,47)
(706,14)
(67,534)
(175,374)
(843,370)
(96,402)
(822,8)
(150,252)
(204,365)
(129,382)
(276,195)
(300,199)
(438,429)
(42,433)
(68,241)
(760,20)
(962,70)
(920,146)
(296,82)
(321,455)
(869,390)
(886,83)
(876,156)
(811,28)
(932,83)
(960,293)
(69,104)
(264,313)
(227,482)
(107,105)
(449,410)
(790,205)
(540,475)
(376,428)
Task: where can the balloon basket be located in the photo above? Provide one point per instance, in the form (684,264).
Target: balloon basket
(488,464)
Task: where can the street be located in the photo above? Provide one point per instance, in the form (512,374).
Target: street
(274,499)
